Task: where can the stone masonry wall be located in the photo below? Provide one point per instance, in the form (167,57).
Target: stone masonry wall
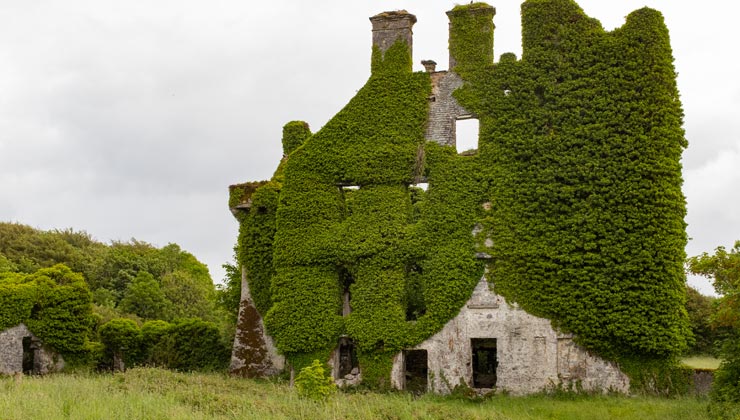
(443,108)
(532,356)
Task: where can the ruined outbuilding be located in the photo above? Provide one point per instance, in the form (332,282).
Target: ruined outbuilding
(542,258)
(22,352)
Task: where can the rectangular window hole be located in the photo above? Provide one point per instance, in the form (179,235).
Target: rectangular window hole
(466,135)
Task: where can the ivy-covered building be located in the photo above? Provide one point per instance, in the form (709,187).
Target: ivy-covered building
(550,254)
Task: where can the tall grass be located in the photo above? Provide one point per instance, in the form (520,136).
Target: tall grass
(153,394)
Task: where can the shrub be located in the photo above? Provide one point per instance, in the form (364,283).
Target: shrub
(313,383)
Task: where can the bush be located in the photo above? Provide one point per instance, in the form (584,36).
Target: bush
(313,383)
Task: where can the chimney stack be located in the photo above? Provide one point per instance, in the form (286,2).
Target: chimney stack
(389,27)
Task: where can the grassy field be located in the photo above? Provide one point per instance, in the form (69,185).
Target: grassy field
(159,394)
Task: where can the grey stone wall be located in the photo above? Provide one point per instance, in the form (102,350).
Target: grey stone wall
(444,109)
(11,353)
(531,355)
(391,26)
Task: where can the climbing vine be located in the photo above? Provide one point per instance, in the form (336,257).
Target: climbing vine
(54,303)
(582,138)
(574,194)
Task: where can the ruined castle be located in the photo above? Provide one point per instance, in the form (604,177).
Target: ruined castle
(549,255)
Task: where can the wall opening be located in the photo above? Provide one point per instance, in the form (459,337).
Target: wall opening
(346,281)
(29,355)
(416,371)
(415,302)
(466,135)
(485,362)
(348,363)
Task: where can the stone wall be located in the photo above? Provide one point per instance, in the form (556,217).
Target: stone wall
(444,109)
(11,353)
(531,355)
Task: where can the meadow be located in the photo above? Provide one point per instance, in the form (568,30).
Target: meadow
(149,393)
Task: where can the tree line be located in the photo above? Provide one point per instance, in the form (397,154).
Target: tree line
(157,305)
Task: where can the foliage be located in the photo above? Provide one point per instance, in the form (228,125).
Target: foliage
(54,303)
(724,269)
(313,383)
(120,274)
(584,177)
(145,298)
(700,309)
(191,344)
(228,295)
(122,338)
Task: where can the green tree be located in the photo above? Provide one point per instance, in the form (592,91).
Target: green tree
(6,265)
(700,309)
(724,269)
(228,295)
(145,298)
(191,297)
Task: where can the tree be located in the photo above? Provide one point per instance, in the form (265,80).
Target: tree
(700,309)
(724,269)
(145,298)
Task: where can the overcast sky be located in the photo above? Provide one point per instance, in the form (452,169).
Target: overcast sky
(131,118)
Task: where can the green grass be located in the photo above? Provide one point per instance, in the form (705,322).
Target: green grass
(701,362)
(159,394)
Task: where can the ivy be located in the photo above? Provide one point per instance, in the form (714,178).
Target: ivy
(54,303)
(583,139)
(574,193)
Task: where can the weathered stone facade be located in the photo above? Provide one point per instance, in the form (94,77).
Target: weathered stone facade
(530,355)
(22,351)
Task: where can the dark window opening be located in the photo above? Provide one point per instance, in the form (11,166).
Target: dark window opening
(348,363)
(466,135)
(29,355)
(345,281)
(485,362)
(415,302)
(416,371)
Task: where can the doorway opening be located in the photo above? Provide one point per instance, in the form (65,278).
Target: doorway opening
(29,355)
(348,363)
(485,362)
(416,370)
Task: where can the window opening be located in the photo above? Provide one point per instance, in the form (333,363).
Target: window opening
(416,370)
(348,363)
(346,280)
(485,362)
(415,302)
(466,135)
(422,185)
